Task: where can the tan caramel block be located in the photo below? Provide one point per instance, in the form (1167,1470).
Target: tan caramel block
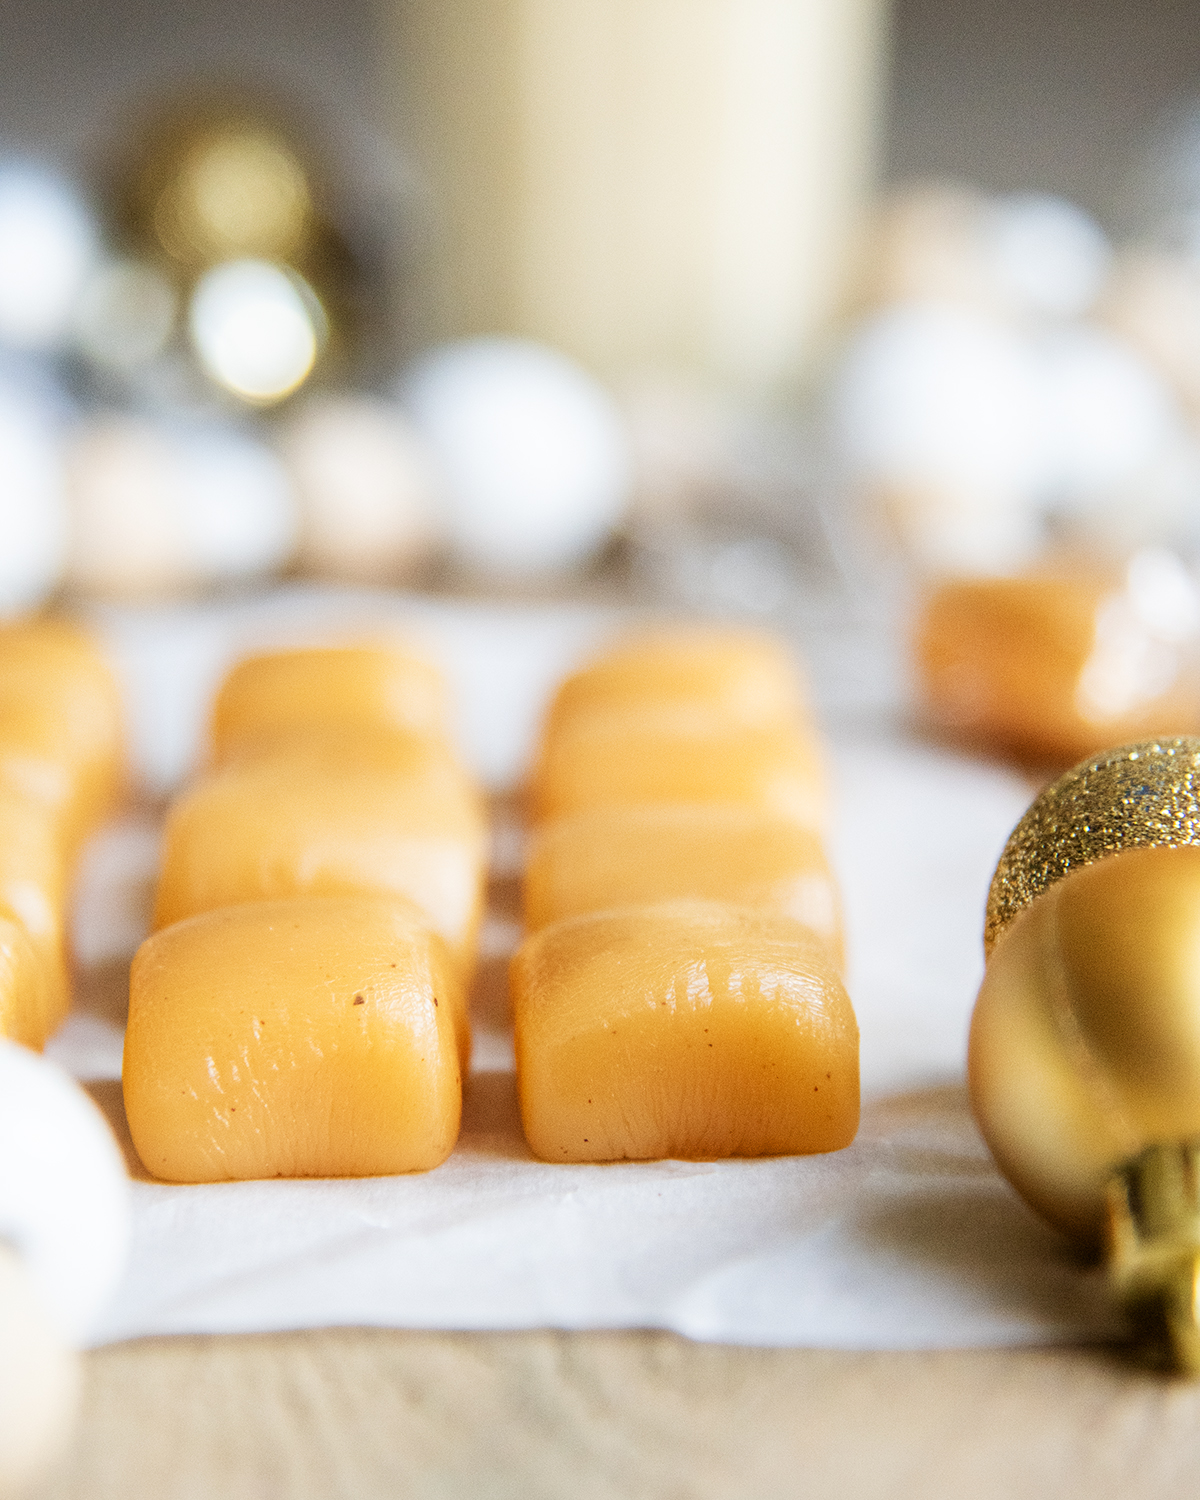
(33,891)
(284,692)
(1046,667)
(690,1029)
(738,676)
(61,737)
(625,856)
(623,762)
(28,1001)
(308,1038)
(338,814)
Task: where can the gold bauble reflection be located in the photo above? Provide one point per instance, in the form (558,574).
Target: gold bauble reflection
(1085,1041)
(236,191)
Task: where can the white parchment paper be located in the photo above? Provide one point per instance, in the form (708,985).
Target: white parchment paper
(908,1239)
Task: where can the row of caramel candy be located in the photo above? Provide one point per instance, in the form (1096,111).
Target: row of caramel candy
(679,993)
(300,1010)
(61,774)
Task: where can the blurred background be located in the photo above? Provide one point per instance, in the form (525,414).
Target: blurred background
(878,323)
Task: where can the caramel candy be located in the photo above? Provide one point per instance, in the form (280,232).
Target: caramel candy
(624,856)
(29,1002)
(688,1029)
(356,811)
(624,762)
(695,675)
(1051,668)
(61,739)
(33,893)
(307,1038)
(295,692)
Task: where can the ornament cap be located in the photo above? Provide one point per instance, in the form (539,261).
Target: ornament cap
(1140,796)
(1152,1249)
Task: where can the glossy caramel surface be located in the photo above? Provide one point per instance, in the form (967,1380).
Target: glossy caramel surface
(622,856)
(33,891)
(1051,668)
(285,692)
(29,1005)
(624,761)
(358,811)
(737,676)
(309,1038)
(689,1029)
(61,737)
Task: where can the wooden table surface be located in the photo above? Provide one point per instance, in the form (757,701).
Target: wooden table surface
(366,1413)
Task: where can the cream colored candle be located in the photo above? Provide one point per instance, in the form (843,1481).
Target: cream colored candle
(652,185)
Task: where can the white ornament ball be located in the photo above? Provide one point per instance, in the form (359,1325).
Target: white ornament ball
(1046,255)
(1108,415)
(156,508)
(935,409)
(366,487)
(533,453)
(33,504)
(48,245)
(64,1192)
(237,505)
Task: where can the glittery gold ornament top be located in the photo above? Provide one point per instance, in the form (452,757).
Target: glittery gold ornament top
(1141,796)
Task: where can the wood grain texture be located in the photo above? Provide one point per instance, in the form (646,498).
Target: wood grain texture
(369,1413)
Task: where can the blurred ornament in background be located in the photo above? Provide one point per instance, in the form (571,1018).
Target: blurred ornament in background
(126,315)
(33,502)
(48,245)
(1045,255)
(367,487)
(1058,663)
(533,452)
(228,197)
(257,329)
(1026,254)
(935,410)
(158,508)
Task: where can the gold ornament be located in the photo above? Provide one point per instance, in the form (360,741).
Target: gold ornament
(1084,1060)
(228,186)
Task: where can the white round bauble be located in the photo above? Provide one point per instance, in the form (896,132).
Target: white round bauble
(64,1192)
(931,392)
(366,487)
(237,505)
(1046,256)
(1108,417)
(33,506)
(48,244)
(935,416)
(533,453)
(157,508)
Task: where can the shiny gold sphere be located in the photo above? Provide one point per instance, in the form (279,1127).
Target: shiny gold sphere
(1085,1041)
(1141,796)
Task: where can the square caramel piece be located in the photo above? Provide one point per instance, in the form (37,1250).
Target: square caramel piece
(695,672)
(624,856)
(61,732)
(294,692)
(620,760)
(307,1038)
(337,813)
(689,1029)
(29,999)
